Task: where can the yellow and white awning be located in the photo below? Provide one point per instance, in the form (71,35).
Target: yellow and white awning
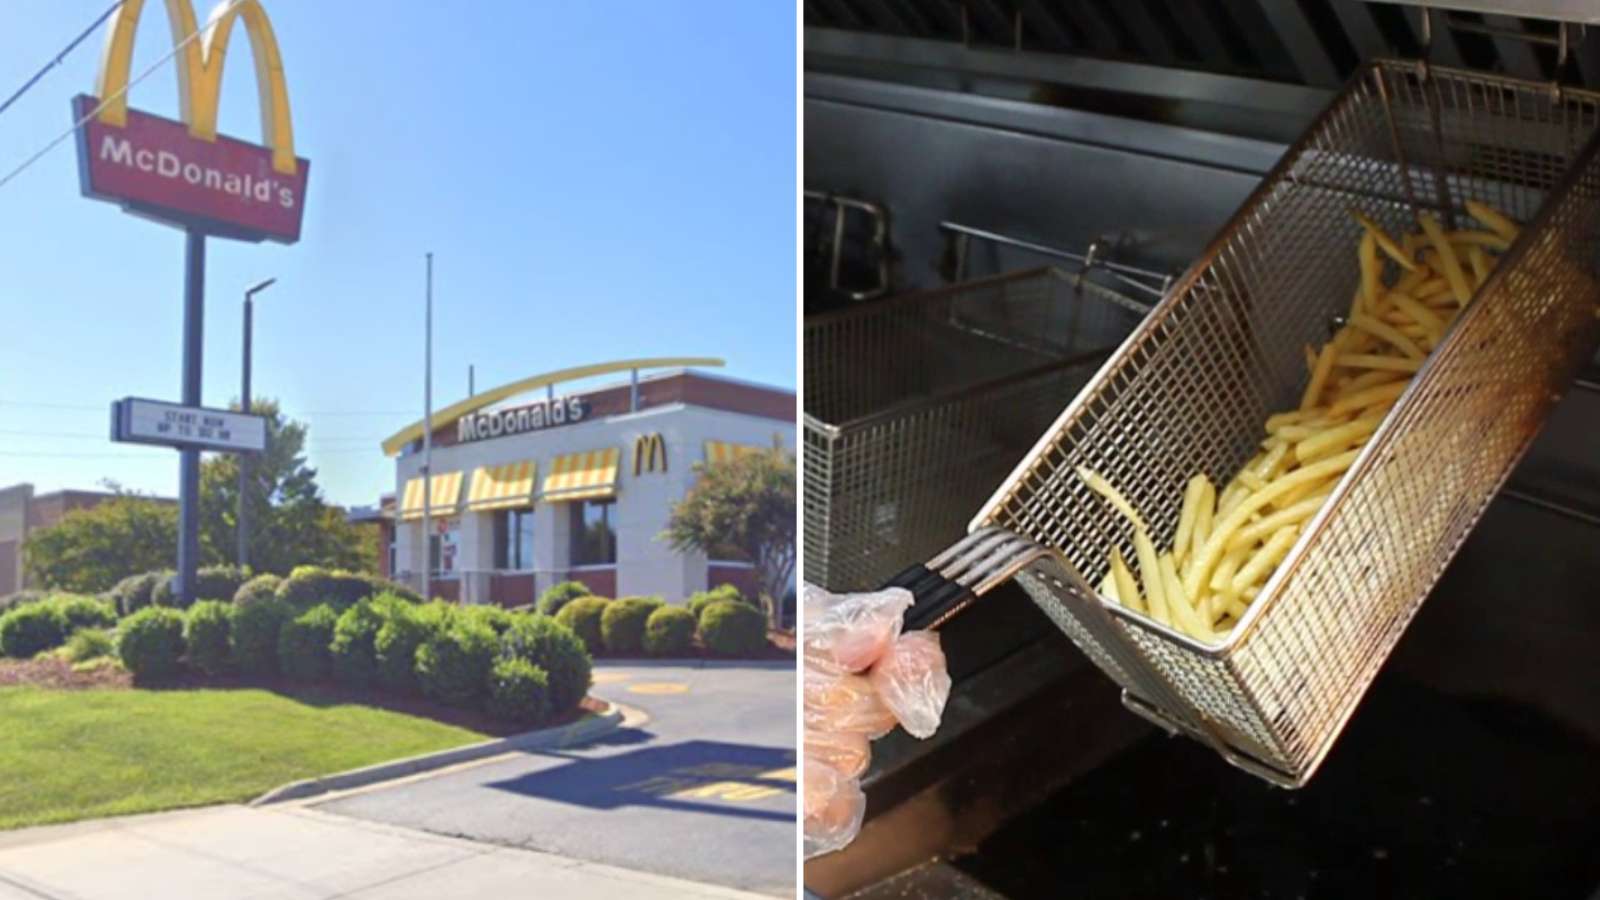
(502,487)
(446,496)
(719,451)
(583,476)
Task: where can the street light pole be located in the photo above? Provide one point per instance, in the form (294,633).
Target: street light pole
(244,407)
(427,440)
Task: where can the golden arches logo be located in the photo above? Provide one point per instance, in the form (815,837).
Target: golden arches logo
(200,63)
(647,450)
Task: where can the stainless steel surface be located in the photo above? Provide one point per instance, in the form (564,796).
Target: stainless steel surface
(1189,390)
(916,405)
(877,242)
(1092,259)
(1564,10)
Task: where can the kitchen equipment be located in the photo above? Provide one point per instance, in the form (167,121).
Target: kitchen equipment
(1190,388)
(916,405)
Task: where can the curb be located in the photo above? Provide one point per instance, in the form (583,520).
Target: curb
(583,731)
(650,662)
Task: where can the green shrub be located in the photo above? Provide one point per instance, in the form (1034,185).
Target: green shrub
(622,623)
(207,633)
(306,587)
(164,591)
(582,616)
(733,629)
(87,644)
(133,593)
(261,587)
(151,643)
(453,665)
(218,582)
(519,691)
(557,596)
(257,625)
(699,601)
(303,653)
(355,659)
(385,586)
(405,627)
(553,647)
(24,597)
(497,618)
(85,612)
(669,631)
(29,630)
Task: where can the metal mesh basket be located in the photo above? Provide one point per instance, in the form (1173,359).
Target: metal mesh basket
(917,405)
(1189,390)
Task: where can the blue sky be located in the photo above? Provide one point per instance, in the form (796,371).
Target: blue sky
(596,182)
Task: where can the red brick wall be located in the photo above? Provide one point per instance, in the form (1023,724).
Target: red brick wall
(601,582)
(512,590)
(741,577)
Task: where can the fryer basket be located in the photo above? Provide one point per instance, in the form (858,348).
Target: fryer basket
(916,406)
(1189,390)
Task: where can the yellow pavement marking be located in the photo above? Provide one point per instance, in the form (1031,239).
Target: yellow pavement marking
(611,677)
(659,687)
(714,781)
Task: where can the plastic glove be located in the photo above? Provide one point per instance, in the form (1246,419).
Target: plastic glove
(861,678)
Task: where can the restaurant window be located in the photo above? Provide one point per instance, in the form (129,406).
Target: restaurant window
(594,537)
(513,540)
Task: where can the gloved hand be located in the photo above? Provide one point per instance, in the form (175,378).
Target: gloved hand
(861,678)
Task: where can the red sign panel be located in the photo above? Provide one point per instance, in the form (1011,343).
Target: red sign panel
(154,167)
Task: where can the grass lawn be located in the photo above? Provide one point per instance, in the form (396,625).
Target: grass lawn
(67,755)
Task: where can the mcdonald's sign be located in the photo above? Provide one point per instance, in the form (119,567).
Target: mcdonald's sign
(649,451)
(183,172)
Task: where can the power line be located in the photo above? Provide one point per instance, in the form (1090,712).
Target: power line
(56,61)
(105,101)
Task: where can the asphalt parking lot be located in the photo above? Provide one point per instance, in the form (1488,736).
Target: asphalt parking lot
(704,789)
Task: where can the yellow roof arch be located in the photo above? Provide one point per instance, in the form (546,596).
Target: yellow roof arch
(454,411)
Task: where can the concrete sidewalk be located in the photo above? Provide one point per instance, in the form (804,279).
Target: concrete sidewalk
(244,853)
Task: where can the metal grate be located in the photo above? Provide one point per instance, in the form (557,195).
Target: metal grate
(1189,390)
(917,405)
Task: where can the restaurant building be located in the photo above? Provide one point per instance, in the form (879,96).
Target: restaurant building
(23,512)
(531,486)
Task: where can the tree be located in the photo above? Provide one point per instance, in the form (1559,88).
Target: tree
(743,507)
(89,550)
(290,524)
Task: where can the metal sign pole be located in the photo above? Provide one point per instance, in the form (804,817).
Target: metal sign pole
(244,458)
(427,442)
(194,290)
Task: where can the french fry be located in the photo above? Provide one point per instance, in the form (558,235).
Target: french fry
(1371,271)
(1479,239)
(1420,314)
(1127,588)
(1202,518)
(1102,487)
(1386,332)
(1314,448)
(1319,375)
(1261,529)
(1450,265)
(1374,361)
(1192,494)
(1108,587)
(1385,243)
(1155,592)
(1184,615)
(1370,397)
(1499,224)
(1262,562)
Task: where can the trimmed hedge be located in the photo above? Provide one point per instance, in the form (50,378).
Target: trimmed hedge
(207,636)
(262,587)
(394,647)
(24,597)
(519,691)
(553,647)
(355,659)
(699,601)
(257,625)
(303,653)
(453,665)
(210,583)
(669,631)
(151,643)
(307,586)
(85,612)
(497,618)
(733,629)
(582,616)
(89,643)
(29,630)
(557,596)
(622,623)
(133,593)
